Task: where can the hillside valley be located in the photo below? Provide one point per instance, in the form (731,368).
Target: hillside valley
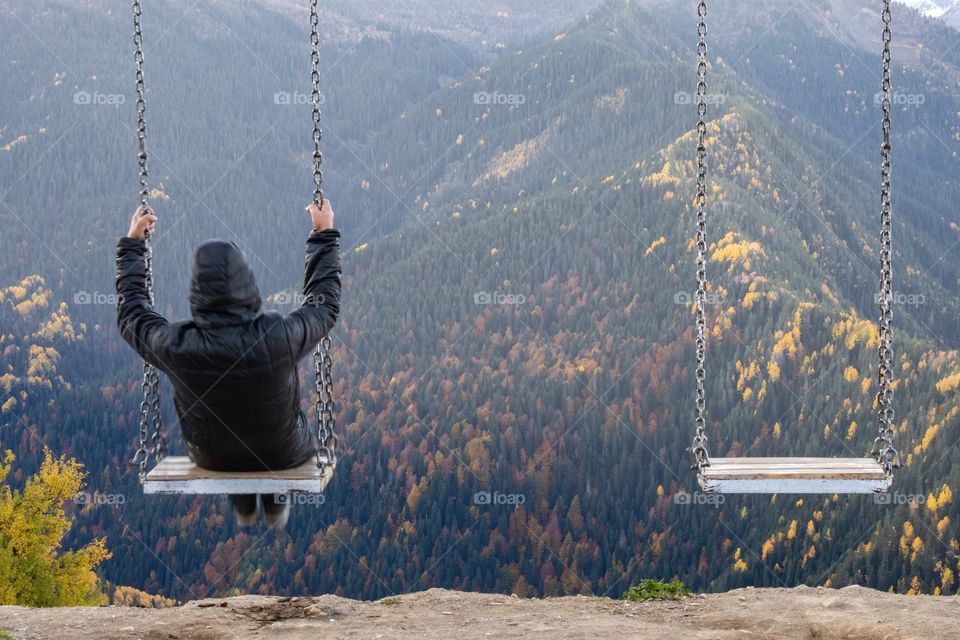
(518,267)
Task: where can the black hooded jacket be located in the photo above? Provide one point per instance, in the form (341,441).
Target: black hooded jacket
(234,366)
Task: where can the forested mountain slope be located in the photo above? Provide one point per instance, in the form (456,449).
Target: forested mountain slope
(516,315)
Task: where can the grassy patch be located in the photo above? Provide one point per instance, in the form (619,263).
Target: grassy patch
(390,601)
(656,590)
(5,635)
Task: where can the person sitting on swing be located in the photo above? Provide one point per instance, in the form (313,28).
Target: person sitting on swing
(233,366)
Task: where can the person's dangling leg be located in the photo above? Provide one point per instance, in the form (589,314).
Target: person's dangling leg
(276,509)
(245,509)
(276,506)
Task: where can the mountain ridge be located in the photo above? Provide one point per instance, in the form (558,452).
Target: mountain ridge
(946,10)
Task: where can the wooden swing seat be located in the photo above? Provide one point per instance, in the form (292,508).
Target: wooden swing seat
(794,475)
(179,475)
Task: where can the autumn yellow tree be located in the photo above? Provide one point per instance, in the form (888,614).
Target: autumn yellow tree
(133,597)
(34,570)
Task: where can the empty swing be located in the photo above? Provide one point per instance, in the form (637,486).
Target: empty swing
(799,475)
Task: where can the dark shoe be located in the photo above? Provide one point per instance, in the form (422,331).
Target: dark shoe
(245,509)
(276,509)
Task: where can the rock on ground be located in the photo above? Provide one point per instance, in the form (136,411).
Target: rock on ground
(768,614)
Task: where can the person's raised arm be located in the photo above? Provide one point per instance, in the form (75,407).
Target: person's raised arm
(139,324)
(321,285)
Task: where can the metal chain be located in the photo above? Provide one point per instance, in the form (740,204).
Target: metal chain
(699,447)
(156,443)
(315,101)
(883,447)
(322,360)
(141,102)
(326,429)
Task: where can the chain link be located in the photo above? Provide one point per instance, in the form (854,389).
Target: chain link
(322,360)
(699,447)
(883,447)
(154,443)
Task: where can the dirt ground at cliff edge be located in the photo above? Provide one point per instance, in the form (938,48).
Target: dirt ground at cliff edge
(437,614)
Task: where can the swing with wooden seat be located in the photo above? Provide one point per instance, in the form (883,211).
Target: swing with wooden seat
(179,475)
(799,475)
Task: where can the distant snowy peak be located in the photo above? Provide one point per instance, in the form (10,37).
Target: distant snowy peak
(931,8)
(947,10)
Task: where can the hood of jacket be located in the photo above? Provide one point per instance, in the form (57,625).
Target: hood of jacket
(223,290)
